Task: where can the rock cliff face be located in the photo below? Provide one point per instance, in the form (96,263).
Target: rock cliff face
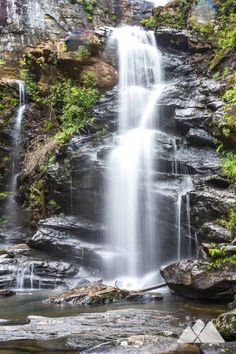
(27,23)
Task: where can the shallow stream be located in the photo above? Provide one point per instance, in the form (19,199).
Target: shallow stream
(19,307)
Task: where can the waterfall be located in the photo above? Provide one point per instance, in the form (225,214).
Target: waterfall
(129,211)
(185,188)
(16,134)
(160,2)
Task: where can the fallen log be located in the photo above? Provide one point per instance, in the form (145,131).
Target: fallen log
(159,286)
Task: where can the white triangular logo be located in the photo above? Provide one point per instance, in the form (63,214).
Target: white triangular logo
(201,333)
(210,335)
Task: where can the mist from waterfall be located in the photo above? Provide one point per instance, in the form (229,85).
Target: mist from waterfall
(131,229)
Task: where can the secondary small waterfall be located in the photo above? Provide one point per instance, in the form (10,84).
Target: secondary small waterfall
(16,134)
(129,212)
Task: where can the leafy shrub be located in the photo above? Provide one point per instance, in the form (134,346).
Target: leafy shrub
(230,222)
(229,165)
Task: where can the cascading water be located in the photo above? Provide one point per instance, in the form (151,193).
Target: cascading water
(157,3)
(130,207)
(16,134)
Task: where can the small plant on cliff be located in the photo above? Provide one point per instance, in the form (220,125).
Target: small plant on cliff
(31,84)
(230,223)
(8,101)
(89,7)
(219,257)
(82,53)
(4,195)
(229,165)
(149,22)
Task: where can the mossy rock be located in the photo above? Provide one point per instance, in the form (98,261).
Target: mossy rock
(226,324)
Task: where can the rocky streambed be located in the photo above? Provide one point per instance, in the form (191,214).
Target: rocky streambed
(121,327)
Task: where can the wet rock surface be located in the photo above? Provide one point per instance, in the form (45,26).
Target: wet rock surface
(24,268)
(213,232)
(91,294)
(195,279)
(70,238)
(121,331)
(88,330)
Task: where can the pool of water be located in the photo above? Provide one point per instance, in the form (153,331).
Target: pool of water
(23,304)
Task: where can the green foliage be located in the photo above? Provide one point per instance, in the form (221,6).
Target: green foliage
(229,165)
(2,63)
(230,222)
(37,194)
(2,251)
(219,257)
(3,221)
(72,104)
(52,203)
(82,53)
(48,125)
(4,195)
(31,84)
(149,22)
(88,80)
(229,119)
(89,7)
(7,100)
(166,18)
(205,30)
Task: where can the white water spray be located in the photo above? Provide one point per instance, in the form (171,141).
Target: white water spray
(130,206)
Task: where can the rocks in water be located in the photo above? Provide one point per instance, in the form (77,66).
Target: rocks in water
(90,329)
(6,293)
(226,325)
(100,294)
(91,294)
(150,344)
(195,279)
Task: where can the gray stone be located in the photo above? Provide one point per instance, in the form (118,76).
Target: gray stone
(213,232)
(195,279)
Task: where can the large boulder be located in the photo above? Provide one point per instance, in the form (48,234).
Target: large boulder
(195,279)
